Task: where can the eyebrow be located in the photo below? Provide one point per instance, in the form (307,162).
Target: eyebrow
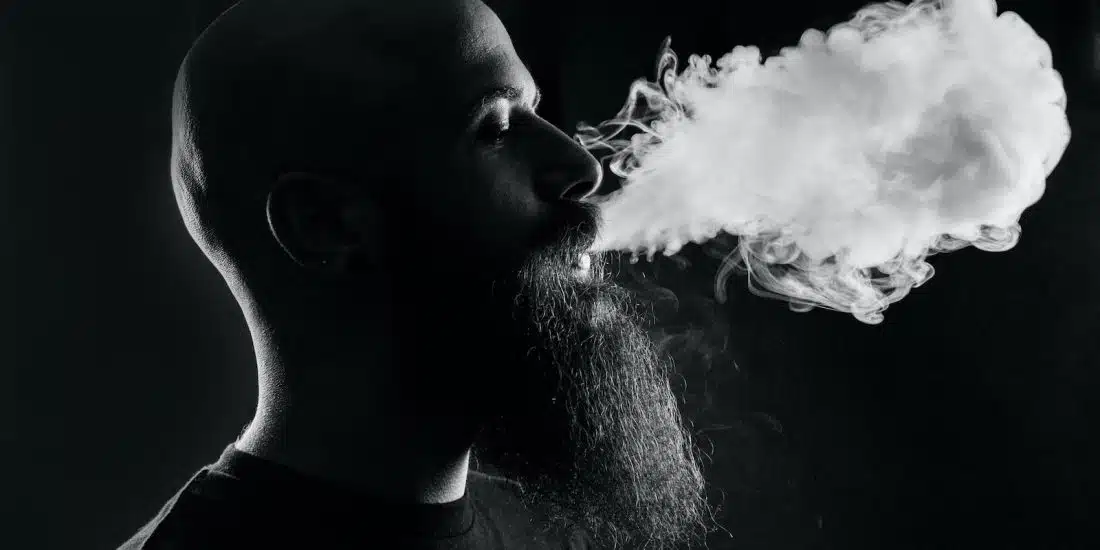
(511,93)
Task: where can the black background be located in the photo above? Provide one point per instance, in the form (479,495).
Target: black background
(963,421)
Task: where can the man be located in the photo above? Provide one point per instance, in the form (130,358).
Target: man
(403,233)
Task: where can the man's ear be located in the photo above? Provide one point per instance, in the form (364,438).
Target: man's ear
(323,223)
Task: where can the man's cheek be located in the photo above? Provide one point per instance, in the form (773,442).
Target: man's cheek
(514,195)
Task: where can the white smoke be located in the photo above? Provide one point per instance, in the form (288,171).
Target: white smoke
(844,162)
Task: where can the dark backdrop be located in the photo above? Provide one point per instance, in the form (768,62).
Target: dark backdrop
(964,421)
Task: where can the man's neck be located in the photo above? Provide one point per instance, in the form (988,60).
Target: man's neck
(379,462)
(374,424)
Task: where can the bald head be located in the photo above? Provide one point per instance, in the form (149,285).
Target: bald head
(366,97)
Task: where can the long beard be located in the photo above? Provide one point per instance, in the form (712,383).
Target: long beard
(589,423)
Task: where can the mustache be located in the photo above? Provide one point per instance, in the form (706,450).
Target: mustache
(570,230)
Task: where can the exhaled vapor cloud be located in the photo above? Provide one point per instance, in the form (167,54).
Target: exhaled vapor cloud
(844,162)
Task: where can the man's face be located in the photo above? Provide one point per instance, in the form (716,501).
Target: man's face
(575,399)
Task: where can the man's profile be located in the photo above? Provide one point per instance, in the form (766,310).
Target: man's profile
(403,233)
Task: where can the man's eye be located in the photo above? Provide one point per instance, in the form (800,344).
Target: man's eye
(493,131)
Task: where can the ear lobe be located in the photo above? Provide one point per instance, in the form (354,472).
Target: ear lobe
(319,222)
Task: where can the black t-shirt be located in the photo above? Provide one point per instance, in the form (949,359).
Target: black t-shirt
(243,501)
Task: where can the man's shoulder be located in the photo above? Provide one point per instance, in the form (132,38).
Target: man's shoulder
(202,514)
(193,516)
(143,538)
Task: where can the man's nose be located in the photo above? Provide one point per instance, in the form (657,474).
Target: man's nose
(571,172)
